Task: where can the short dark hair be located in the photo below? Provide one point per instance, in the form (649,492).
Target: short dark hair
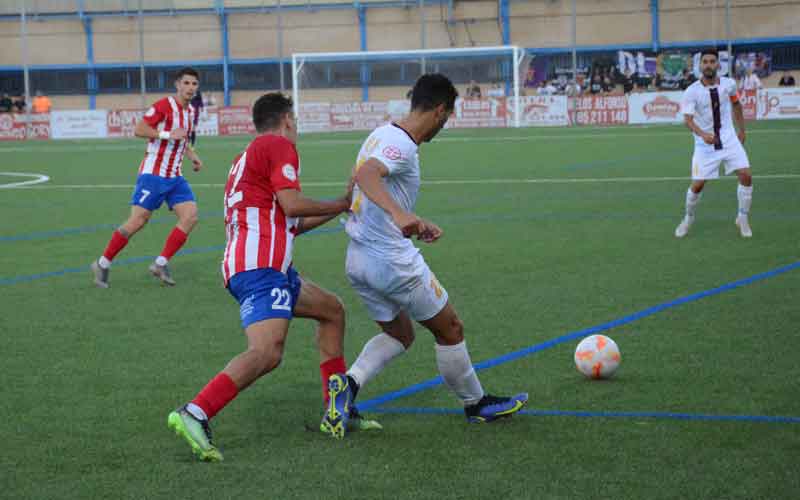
(432,90)
(710,51)
(269,110)
(187,71)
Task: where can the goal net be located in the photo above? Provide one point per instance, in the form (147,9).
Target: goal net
(361,90)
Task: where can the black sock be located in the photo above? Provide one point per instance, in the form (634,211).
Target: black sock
(354,386)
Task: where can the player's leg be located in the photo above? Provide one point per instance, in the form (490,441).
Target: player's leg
(744,193)
(265,343)
(180,199)
(737,161)
(119,239)
(266,323)
(455,367)
(705,166)
(327,310)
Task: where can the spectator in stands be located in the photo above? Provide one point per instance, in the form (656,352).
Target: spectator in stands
(573,89)
(597,84)
(211,101)
(473,90)
(41,103)
(751,81)
(6,104)
(19,104)
(547,88)
(608,86)
(627,81)
(786,80)
(496,91)
(686,79)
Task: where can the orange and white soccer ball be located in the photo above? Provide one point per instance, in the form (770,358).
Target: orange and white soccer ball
(597,356)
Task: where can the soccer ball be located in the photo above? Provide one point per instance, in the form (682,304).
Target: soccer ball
(597,356)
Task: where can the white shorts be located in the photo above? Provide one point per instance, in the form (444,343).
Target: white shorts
(706,164)
(387,286)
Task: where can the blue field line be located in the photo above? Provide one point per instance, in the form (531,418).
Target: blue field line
(134,260)
(605,414)
(489,363)
(43,235)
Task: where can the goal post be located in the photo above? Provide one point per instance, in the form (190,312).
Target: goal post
(331,78)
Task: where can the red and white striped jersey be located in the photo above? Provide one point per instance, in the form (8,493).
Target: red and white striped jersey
(164,157)
(259,234)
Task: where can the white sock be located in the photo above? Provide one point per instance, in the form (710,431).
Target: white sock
(376,354)
(103,262)
(458,373)
(745,195)
(692,199)
(161,261)
(196,411)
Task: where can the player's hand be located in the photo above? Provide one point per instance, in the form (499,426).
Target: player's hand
(431,233)
(197,164)
(708,138)
(177,134)
(741,136)
(409,224)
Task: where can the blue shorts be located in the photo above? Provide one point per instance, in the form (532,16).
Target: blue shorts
(265,294)
(151,191)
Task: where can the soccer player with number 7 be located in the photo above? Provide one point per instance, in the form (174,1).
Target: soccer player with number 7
(264,211)
(167,125)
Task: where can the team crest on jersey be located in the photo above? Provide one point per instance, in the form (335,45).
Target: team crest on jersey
(288,172)
(392,153)
(151,111)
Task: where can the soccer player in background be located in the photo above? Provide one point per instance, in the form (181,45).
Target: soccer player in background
(710,107)
(167,126)
(388,271)
(264,211)
(199,107)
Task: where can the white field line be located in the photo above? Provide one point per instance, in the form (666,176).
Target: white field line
(356,141)
(35,179)
(444,182)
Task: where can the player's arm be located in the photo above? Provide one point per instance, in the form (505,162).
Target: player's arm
(369,179)
(306,224)
(738,115)
(146,127)
(196,161)
(294,204)
(689,121)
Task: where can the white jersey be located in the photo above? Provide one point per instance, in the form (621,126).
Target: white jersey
(700,101)
(370,225)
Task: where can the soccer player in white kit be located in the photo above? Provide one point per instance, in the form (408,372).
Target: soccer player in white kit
(388,271)
(710,106)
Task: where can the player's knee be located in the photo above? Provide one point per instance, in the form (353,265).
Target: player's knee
(189,220)
(745,179)
(336,312)
(456,332)
(269,356)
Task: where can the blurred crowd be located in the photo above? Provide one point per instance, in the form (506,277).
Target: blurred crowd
(41,103)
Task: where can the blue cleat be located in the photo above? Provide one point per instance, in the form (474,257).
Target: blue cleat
(491,408)
(340,395)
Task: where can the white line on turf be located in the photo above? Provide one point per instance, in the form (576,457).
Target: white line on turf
(445,182)
(36,179)
(242,140)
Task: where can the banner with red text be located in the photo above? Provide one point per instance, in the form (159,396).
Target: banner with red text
(655,107)
(12,126)
(598,110)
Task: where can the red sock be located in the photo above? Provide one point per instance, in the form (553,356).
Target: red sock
(216,394)
(175,241)
(116,244)
(328,368)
